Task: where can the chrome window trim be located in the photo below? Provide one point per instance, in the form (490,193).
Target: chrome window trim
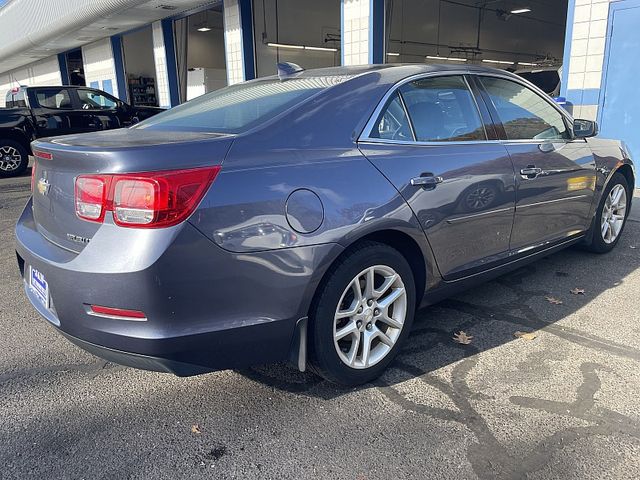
(426,144)
(406,114)
(365,135)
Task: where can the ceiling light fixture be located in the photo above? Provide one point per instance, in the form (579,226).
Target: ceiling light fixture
(520,10)
(393,54)
(501,62)
(451,59)
(204,29)
(302,47)
(321,49)
(528,64)
(285,45)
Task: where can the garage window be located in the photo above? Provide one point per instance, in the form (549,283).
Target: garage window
(442,109)
(524,114)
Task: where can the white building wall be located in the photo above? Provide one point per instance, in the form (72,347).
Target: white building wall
(160,58)
(43,72)
(588,41)
(355,35)
(233,42)
(99,66)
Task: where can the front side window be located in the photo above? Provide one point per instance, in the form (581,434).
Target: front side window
(442,109)
(240,107)
(92,100)
(524,114)
(54,98)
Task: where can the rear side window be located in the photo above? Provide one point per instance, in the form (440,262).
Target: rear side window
(524,114)
(16,98)
(54,98)
(442,109)
(393,124)
(239,107)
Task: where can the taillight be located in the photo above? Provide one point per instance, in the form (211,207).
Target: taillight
(134,201)
(91,197)
(144,200)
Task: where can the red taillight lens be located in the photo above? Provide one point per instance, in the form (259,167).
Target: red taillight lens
(117,312)
(91,195)
(150,199)
(134,201)
(42,155)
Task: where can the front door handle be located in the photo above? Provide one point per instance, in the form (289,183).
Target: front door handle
(426,180)
(530,171)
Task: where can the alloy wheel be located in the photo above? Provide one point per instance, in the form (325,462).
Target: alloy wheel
(370,316)
(10,159)
(613,214)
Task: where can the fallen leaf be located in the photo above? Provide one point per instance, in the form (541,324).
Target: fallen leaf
(195,429)
(577,291)
(525,335)
(462,338)
(553,300)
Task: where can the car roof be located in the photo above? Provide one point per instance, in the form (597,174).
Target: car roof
(391,73)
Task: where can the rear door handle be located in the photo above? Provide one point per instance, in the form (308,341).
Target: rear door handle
(530,172)
(427,181)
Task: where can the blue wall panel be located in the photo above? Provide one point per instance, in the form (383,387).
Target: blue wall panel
(118,59)
(172,64)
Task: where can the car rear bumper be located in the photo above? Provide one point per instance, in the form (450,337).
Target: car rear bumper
(206,309)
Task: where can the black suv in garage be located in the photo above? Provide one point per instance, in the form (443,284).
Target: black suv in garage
(36,112)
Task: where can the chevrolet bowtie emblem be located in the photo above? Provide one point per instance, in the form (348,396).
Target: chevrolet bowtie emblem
(43,186)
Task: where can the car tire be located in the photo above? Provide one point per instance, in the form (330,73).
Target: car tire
(381,319)
(14,158)
(602,240)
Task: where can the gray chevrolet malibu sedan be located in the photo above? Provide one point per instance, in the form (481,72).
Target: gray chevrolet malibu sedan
(306,216)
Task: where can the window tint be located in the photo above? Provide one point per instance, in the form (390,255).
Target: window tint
(442,109)
(393,123)
(524,114)
(92,100)
(239,107)
(54,98)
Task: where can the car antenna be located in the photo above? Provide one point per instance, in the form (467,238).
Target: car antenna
(286,69)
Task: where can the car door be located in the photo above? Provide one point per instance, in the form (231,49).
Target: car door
(54,112)
(555,173)
(431,140)
(100,109)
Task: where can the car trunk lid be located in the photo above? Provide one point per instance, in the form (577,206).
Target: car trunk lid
(58,161)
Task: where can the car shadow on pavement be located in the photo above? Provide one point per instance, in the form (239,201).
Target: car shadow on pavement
(528,300)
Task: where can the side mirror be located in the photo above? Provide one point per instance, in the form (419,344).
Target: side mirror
(584,128)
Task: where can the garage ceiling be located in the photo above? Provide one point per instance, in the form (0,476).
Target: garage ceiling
(34,29)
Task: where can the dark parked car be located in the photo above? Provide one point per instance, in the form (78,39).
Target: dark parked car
(306,216)
(36,112)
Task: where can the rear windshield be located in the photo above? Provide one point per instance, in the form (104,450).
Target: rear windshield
(239,107)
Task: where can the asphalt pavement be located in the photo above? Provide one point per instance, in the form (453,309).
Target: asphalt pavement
(563,405)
